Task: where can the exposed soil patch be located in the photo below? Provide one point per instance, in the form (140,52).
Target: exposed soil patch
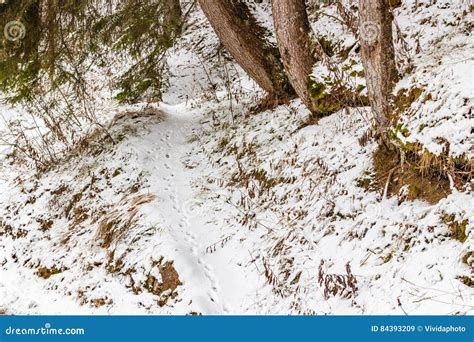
(169,279)
(406,179)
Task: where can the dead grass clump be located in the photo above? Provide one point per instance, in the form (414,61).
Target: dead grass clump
(147,113)
(94,302)
(344,285)
(98,302)
(118,221)
(72,203)
(60,190)
(45,224)
(114,265)
(99,139)
(57,194)
(410,179)
(279,287)
(45,272)
(7,230)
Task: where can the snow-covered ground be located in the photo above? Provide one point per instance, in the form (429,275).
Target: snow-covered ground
(153,172)
(202,207)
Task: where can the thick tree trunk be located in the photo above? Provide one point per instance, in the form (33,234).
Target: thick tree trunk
(378,57)
(244,38)
(293,38)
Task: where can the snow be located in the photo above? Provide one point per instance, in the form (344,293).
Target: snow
(444,70)
(245,205)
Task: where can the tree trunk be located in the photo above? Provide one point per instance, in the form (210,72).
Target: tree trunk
(293,39)
(244,38)
(378,57)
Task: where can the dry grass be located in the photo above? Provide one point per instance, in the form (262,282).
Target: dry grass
(118,221)
(411,179)
(98,302)
(45,272)
(344,285)
(8,230)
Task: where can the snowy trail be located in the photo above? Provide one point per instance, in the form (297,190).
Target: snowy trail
(213,280)
(212,283)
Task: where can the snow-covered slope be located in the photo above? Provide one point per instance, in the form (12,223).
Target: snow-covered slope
(113,223)
(201,206)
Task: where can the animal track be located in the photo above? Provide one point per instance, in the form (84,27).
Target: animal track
(177,188)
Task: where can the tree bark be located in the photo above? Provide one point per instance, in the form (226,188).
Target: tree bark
(244,38)
(378,56)
(293,39)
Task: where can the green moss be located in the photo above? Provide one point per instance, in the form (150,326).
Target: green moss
(340,96)
(355,73)
(329,48)
(457,229)
(360,88)
(413,192)
(317,90)
(404,99)
(422,127)
(117,172)
(398,128)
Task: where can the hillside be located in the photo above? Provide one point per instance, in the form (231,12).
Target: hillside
(204,204)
